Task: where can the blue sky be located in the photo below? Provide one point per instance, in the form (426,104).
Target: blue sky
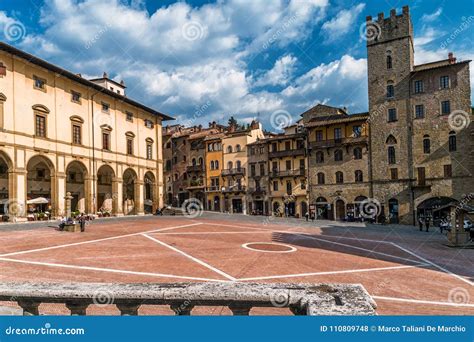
(207,60)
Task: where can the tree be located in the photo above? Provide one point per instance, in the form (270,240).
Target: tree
(232,122)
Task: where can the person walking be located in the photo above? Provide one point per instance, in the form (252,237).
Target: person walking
(82,223)
(427,223)
(420,223)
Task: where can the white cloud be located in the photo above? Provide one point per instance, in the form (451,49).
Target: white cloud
(280,74)
(341,23)
(432,16)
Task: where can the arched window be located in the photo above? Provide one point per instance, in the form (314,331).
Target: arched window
(339,177)
(321,178)
(338,155)
(238,164)
(390,89)
(229,165)
(389,62)
(357,153)
(426,144)
(237,148)
(391,155)
(229,149)
(391,140)
(319,157)
(210,147)
(212,165)
(452,141)
(359,176)
(200,160)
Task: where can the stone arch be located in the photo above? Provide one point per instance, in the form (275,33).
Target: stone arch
(78,184)
(106,192)
(149,193)
(41,183)
(340,209)
(130,191)
(7,188)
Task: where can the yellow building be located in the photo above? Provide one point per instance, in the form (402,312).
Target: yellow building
(214,165)
(234,146)
(288,172)
(62,133)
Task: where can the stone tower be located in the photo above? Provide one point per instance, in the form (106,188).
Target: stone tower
(390,63)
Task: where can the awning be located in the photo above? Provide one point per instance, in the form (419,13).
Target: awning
(38,200)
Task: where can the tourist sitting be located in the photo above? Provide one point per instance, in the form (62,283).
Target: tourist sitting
(62,223)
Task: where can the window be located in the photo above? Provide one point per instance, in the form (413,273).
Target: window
(357,153)
(229,165)
(212,164)
(426,144)
(274,166)
(149,123)
(303,184)
(237,148)
(275,186)
(448,171)
(390,91)
(337,134)
(444,82)
(445,107)
(40,129)
(274,147)
(319,157)
(289,188)
(452,141)
(389,62)
(391,155)
(168,165)
(321,179)
(229,149)
(253,171)
(106,141)
(359,176)
(149,151)
(288,165)
(319,135)
(393,174)
(392,114)
(75,96)
(419,111)
(338,155)
(129,146)
(129,116)
(356,131)
(238,165)
(252,151)
(216,164)
(418,86)
(76,134)
(302,164)
(262,169)
(339,177)
(105,107)
(39,83)
(421,176)
(287,145)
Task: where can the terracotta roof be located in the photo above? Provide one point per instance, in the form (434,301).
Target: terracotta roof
(51,67)
(435,65)
(322,106)
(333,119)
(286,136)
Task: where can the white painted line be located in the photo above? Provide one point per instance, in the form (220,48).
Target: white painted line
(332,272)
(209,233)
(435,265)
(88,268)
(97,240)
(406,300)
(290,250)
(191,257)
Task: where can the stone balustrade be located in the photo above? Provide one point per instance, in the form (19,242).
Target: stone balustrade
(240,298)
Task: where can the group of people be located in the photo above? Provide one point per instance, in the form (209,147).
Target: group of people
(69,220)
(424,221)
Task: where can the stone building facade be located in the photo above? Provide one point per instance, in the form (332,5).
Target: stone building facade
(62,133)
(258,178)
(214,166)
(420,154)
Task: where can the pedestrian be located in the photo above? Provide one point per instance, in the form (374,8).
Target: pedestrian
(82,223)
(306,215)
(420,223)
(62,223)
(427,223)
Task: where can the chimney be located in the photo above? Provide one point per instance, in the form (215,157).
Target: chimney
(451,58)
(368,18)
(105,75)
(405,10)
(393,13)
(380,16)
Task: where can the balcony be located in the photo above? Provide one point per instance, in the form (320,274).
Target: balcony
(257,191)
(213,189)
(287,153)
(234,188)
(195,168)
(288,173)
(195,184)
(339,142)
(233,172)
(299,298)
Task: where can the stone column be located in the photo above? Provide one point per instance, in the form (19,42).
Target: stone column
(117,196)
(89,195)
(58,193)
(139,196)
(67,206)
(17,193)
